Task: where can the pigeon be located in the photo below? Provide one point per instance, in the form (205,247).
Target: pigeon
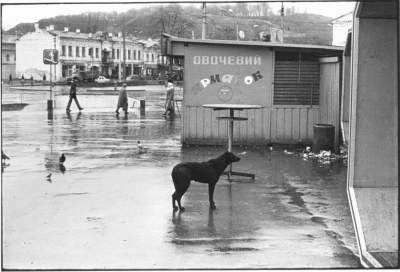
(62,158)
(62,168)
(4,156)
(242,153)
(270,147)
(48,176)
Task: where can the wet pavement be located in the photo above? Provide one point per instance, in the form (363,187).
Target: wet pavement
(109,207)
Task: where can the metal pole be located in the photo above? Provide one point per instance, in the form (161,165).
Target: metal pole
(203,30)
(51,84)
(55,66)
(237,29)
(282,14)
(123,50)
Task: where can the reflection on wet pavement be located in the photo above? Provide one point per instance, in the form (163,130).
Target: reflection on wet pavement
(109,205)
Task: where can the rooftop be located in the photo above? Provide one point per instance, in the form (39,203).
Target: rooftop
(7,38)
(325,48)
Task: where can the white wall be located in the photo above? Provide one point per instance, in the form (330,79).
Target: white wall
(29,51)
(374,104)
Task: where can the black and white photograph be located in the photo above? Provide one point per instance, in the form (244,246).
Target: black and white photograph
(199,135)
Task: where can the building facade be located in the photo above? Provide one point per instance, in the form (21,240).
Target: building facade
(8,57)
(99,53)
(340,27)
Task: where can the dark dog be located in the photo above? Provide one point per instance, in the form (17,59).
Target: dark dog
(204,172)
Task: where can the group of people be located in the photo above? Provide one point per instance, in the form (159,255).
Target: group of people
(123,99)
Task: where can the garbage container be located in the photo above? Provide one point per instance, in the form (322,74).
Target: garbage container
(324,138)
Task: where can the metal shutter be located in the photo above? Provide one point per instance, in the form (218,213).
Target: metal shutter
(296,79)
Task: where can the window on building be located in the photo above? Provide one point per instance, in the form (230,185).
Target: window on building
(77,51)
(69,51)
(296,79)
(90,53)
(97,53)
(63,50)
(117,53)
(139,57)
(152,58)
(129,54)
(7,57)
(83,52)
(134,54)
(113,54)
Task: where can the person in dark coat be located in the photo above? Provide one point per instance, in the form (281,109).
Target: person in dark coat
(72,95)
(122,100)
(169,99)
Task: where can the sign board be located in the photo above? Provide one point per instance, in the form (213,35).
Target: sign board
(50,56)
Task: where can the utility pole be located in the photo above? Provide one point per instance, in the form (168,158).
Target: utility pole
(55,66)
(282,14)
(123,50)
(203,30)
(237,23)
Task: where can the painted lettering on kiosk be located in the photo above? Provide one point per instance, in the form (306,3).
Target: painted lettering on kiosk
(230,79)
(227,60)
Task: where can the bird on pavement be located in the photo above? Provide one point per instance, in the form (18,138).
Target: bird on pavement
(48,178)
(62,158)
(4,156)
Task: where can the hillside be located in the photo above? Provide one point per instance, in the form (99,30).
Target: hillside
(184,22)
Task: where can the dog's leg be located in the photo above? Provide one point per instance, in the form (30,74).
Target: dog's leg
(174,207)
(211,187)
(179,203)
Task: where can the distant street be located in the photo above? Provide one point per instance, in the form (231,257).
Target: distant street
(110,207)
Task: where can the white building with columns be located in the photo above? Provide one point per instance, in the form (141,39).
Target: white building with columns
(98,52)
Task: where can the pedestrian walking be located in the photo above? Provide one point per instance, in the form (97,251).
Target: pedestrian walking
(44,77)
(23,80)
(122,100)
(72,95)
(169,99)
(10,78)
(31,80)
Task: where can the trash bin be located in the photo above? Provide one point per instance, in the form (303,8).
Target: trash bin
(324,138)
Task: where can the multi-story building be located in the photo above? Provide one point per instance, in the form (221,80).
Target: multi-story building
(8,57)
(154,62)
(100,53)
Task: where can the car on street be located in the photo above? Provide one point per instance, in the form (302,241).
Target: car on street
(82,77)
(102,79)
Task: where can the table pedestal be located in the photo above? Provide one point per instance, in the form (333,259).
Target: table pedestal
(231,118)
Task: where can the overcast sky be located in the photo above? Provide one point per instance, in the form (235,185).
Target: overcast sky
(15,14)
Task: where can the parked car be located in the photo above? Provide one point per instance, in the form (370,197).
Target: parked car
(102,79)
(82,77)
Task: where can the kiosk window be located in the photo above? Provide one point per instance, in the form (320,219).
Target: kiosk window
(296,79)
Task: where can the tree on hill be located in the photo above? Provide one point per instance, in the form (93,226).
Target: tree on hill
(182,21)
